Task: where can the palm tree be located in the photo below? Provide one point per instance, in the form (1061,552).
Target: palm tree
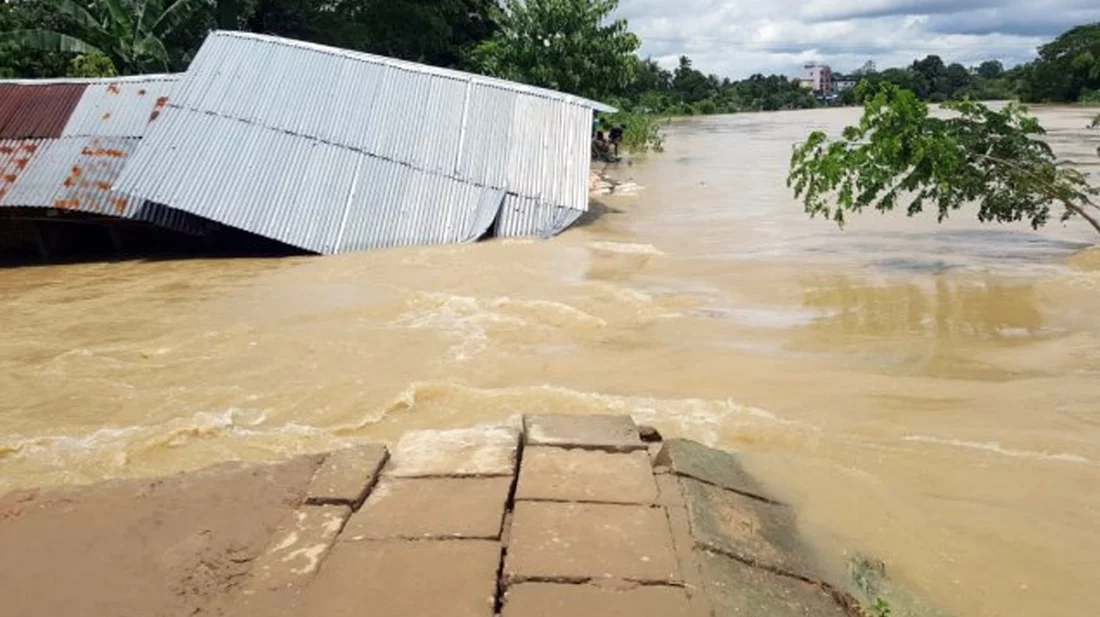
(129,32)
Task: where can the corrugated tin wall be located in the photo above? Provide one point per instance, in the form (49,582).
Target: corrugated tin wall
(332,151)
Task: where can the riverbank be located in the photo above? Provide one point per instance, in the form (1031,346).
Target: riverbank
(556,515)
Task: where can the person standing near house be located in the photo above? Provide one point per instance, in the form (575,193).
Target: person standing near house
(616,137)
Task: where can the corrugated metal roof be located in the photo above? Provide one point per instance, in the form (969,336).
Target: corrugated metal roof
(74,173)
(120,108)
(15,157)
(332,151)
(86,148)
(35,112)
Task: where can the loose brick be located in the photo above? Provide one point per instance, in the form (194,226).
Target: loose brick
(346,476)
(586,475)
(463,452)
(431,508)
(571,541)
(614,433)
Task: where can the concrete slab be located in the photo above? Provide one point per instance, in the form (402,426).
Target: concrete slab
(464,452)
(614,433)
(668,490)
(576,542)
(454,578)
(747,528)
(586,475)
(684,546)
(688,458)
(558,600)
(734,588)
(347,476)
(418,508)
(298,548)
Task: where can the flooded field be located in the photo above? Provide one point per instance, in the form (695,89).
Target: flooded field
(928,394)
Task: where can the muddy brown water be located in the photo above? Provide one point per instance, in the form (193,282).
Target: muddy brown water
(925,393)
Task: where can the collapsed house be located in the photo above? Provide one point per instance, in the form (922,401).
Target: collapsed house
(63,144)
(317,148)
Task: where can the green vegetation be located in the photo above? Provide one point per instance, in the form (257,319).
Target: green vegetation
(129,34)
(643,131)
(880,608)
(1067,68)
(566,45)
(931,80)
(570,45)
(687,91)
(899,152)
(92,65)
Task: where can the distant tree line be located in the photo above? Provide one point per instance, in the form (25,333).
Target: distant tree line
(1067,70)
(569,45)
(688,91)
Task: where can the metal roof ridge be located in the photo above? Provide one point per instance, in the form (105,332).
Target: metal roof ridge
(92,80)
(417,67)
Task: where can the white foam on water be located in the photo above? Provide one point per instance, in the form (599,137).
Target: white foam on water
(996,448)
(110,450)
(626,248)
(467,320)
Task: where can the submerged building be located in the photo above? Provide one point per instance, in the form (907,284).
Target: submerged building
(316,148)
(63,144)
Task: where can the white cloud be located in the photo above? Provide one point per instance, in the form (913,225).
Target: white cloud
(737,38)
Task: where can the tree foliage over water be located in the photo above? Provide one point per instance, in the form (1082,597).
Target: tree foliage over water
(899,154)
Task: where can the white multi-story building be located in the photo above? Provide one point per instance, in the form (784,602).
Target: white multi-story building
(817,77)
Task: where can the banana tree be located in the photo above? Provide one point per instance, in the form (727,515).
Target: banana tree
(129,32)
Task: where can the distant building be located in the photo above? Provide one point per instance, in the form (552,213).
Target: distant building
(844,83)
(818,76)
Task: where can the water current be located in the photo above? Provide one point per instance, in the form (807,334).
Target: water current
(925,393)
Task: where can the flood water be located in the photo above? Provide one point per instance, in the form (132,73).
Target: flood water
(927,394)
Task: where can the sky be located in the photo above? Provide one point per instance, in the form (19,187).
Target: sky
(736,38)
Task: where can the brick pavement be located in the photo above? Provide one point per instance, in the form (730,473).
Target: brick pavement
(566,516)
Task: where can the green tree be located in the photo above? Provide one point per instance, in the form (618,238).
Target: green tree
(566,45)
(956,79)
(929,78)
(992,158)
(991,69)
(437,32)
(690,85)
(16,61)
(128,32)
(92,65)
(1067,66)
